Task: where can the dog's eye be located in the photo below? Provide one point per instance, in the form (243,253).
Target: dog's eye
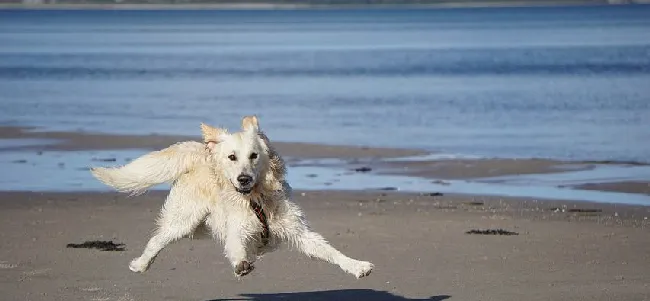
(232,158)
(253,156)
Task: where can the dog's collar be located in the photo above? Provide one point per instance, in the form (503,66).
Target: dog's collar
(259,212)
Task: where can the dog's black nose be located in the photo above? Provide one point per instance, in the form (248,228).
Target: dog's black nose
(244,180)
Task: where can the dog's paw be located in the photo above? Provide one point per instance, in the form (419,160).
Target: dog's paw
(243,268)
(139,266)
(361,269)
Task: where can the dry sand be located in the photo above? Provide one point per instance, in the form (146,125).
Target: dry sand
(418,244)
(564,250)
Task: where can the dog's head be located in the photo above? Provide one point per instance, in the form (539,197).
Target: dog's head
(242,157)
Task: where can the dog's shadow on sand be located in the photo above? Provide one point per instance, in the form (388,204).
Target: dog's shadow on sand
(338,295)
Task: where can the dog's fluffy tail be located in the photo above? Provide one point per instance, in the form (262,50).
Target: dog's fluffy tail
(154,168)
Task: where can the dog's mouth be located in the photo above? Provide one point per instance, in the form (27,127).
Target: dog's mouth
(243,190)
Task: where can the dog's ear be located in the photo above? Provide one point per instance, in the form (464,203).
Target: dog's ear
(250,123)
(211,135)
(277,166)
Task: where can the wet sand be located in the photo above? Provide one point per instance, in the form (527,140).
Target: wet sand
(418,243)
(632,187)
(481,168)
(360,158)
(77,141)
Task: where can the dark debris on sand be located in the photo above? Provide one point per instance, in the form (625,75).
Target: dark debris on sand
(579,210)
(432,194)
(363,169)
(104,159)
(98,244)
(491,232)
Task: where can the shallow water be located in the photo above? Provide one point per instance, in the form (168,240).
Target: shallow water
(568,83)
(57,170)
(329,178)
(601,174)
(69,171)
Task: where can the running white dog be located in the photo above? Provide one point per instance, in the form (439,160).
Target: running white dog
(235,185)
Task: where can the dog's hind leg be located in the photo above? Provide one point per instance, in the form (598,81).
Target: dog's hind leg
(298,233)
(177,219)
(314,245)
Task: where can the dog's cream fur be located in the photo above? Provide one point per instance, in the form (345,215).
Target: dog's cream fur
(211,187)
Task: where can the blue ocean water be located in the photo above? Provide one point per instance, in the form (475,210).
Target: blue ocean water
(555,82)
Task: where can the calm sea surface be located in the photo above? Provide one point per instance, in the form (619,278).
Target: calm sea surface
(524,82)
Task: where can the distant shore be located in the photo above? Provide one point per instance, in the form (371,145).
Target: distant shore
(271,6)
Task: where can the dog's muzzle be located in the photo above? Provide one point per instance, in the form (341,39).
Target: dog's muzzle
(245,184)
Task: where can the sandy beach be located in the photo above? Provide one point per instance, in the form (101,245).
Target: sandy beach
(563,250)
(418,244)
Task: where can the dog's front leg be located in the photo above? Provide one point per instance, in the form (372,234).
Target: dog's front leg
(236,250)
(176,221)
(314,245)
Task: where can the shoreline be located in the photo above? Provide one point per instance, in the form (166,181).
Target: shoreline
(81,141)
(296,6)
(62,159)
